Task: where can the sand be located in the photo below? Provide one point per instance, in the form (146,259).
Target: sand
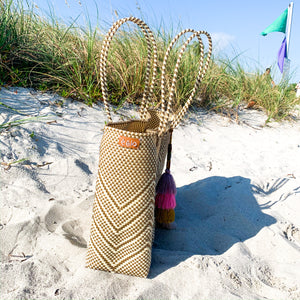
(237,214)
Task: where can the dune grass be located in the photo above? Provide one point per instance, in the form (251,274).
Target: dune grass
(47,54)
(228,86)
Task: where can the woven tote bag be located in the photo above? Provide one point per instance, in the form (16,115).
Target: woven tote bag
(132,156)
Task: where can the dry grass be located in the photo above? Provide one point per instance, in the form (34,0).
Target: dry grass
(47,55)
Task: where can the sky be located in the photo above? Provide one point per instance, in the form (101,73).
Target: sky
(235,26)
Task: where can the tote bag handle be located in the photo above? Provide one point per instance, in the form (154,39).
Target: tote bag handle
(202,70)
(152,51)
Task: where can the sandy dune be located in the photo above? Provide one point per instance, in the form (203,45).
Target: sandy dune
(237,214)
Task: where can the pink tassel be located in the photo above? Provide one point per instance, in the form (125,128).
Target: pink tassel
(165,201)
(166,187)
(166,191)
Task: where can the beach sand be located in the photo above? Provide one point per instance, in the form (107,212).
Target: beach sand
(237,214)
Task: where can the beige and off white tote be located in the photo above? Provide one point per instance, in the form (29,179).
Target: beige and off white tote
(131,160)
(132,155)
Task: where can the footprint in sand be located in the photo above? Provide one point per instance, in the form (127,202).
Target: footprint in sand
(292,233)
(74,233)
(54,217)
(58,220)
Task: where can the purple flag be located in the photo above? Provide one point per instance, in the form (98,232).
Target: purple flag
(282,55)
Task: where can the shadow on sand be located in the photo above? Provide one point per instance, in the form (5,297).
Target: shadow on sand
(211,215)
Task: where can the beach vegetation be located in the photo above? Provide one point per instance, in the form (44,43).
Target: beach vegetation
(49,55)
(8,165)
(40,119)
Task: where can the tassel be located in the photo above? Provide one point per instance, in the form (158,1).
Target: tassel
(165,216)
(165,201)
(166,191)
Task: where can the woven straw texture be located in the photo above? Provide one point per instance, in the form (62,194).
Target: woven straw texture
(132,158)
(123,213)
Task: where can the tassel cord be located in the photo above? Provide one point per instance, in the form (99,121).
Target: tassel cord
(169,156)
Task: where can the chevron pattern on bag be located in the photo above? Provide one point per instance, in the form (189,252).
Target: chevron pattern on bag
(123,212)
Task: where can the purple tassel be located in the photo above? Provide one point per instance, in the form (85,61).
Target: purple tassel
(166,191)
(166,184)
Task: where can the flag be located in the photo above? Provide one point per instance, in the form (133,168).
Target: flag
(278,25)
(282,55)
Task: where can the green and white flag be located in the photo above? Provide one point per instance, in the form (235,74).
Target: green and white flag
(278,25)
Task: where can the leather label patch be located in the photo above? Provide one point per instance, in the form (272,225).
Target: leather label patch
(128,142)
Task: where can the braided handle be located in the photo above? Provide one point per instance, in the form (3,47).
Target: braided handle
(151,47)
(202,70)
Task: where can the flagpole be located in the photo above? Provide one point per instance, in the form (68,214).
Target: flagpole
(288,27)
(287,61)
